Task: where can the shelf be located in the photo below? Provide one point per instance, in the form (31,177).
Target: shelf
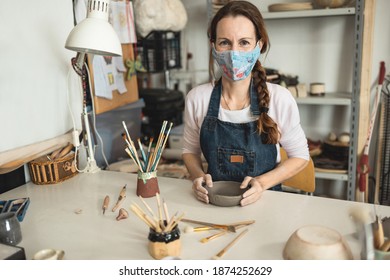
(309,13)
(331,98)
(332,176)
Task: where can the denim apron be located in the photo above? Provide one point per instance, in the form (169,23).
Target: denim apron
(235,150)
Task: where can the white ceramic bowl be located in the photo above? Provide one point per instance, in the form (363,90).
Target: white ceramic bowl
(315,242)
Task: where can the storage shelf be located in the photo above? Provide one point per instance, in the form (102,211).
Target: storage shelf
(331,98)
(309,13)
(331,176)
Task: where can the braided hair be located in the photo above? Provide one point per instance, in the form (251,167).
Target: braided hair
(265,124)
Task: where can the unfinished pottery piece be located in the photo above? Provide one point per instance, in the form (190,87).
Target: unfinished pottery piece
(225,193)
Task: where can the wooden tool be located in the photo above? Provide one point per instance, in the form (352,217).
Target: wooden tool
(385,246)
(121,197)
(65,151)
(379,238)
(54,154)
(234,241)
(377,229)
(105,203)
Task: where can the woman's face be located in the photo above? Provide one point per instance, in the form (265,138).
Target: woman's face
(235,33)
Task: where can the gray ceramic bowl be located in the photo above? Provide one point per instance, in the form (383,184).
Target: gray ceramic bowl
(225,193)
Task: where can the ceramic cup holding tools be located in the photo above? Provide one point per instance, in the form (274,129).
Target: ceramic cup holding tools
(147,184)
(10,232)
(164,244)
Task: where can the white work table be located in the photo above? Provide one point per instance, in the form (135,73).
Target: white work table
(51,220)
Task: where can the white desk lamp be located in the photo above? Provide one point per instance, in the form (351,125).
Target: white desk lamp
(93,35)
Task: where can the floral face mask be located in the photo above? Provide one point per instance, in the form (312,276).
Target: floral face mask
(236,65)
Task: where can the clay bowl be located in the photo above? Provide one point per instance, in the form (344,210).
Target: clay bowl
(225,193)
(315,242)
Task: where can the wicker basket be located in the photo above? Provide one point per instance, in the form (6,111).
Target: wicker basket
(44,171)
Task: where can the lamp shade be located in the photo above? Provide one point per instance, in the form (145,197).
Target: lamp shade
(95,35)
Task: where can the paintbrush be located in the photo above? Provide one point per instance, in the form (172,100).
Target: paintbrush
(225,227)
(224,250)
(241,224)
(211,237)
(197,229)
(121,197)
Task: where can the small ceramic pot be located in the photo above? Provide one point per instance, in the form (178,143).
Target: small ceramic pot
(147,184)
(164,244)
(10,232)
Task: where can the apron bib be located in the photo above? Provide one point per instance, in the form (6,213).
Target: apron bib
(234,150)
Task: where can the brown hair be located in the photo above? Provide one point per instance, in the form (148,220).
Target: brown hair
(265,123)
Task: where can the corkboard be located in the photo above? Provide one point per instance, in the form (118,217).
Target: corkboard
(102,104)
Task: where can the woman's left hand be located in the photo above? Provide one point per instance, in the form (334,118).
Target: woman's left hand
(254,193)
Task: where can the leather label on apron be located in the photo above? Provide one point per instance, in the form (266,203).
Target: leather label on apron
(237,158)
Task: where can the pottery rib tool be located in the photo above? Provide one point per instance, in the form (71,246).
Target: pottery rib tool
(121,197)
(211,237)
(225,227)
(224,250)
(105,203)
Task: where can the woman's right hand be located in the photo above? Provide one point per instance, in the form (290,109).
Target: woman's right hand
(199,191)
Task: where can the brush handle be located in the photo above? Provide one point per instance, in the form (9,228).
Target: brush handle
(225,227)
(211,237)
(224,250)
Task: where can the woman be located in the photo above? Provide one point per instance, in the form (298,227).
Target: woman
(239,121)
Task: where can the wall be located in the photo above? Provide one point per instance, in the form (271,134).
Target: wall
(36,74)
